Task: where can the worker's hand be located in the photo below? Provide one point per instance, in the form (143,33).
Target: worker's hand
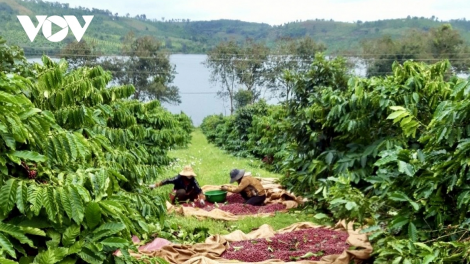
(202,203)
(224,188)
(155,185)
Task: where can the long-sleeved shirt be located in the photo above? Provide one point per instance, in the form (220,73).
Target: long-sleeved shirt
(251,186)
(179,183)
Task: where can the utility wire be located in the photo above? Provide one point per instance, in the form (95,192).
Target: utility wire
(293,60)
(250,54)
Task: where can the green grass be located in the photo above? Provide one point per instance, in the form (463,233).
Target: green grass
(212,165)
(246,225)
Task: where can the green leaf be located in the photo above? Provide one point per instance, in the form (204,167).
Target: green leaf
(7,261)
(115,242)
(76,247)
(32,231)
(376,235)
(29,113)
(16,232)
(6,245)
(26,260)
(397,108)
(459,87)
(22,197)
(36,196)
(463,199)
(93,214)
(68,238)
(428,259)
(50,204)
(307,255)
(68,260)
(338,200)
(398,222)
(320,216)
(106,229)
(329,158)
(398,196)
(47,257)
(76,204)
(412,232)
(423,246)
(421,156)
(29,155)
(397,260)
(416,97)
(8,195)
(91,256)
(397,114)
(55,238)
(406,168)
(350,205)
(414,205)
(8,98)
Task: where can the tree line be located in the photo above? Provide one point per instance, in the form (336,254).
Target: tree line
(243,70)
(144,63)
(248,71)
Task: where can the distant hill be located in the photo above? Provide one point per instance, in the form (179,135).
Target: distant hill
(184,36)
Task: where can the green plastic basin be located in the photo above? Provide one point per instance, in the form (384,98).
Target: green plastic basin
(216,196)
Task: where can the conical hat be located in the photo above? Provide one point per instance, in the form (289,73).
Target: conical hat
(187,171)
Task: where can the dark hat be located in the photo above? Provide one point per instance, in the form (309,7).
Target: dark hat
(236,175)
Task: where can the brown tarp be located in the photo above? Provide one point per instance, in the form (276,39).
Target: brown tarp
(210,251)
(275,194)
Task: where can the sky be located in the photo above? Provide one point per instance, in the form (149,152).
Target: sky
(277,12)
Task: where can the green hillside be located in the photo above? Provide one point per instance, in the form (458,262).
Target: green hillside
(184,36)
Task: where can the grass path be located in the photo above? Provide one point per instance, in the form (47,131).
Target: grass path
(212,166)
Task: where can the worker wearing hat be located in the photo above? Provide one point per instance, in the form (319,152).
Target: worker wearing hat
(185,187)
(249,188)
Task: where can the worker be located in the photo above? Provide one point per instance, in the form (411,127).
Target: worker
(185,186)
(249,188)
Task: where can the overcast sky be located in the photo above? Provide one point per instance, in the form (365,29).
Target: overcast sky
(276,12)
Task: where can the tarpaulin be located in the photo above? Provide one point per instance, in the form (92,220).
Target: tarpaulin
(210,251)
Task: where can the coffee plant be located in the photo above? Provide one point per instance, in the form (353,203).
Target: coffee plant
(390,152)
(74,157)
(245,134)
(209,125)
(267,140)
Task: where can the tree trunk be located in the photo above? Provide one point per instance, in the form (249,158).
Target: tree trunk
(231,104)
(287,95)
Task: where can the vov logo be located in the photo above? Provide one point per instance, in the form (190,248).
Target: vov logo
(46,24)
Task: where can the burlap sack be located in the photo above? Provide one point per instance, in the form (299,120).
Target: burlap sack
(210,251)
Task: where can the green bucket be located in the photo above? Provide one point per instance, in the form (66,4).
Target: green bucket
(216,196)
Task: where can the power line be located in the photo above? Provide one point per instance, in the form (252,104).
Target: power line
(291,60)
(200,93)
(347,55)
(251,54)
